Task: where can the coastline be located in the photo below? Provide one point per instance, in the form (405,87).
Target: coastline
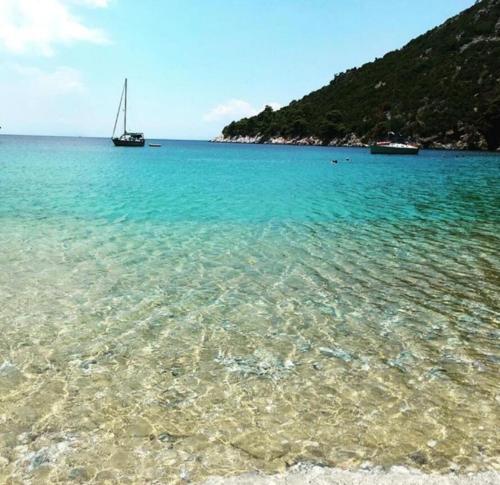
(317,475)
(350,141)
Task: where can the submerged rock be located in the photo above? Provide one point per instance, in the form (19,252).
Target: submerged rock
(261,364)
(402,362)
(139,428)
(336,353)
(436,373)
(166,437)
(252,444)
(79,474)
(48,455)
(10,376)
(37,459)
(87,364)
(418,457)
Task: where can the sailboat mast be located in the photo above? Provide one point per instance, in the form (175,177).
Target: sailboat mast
(118,112)
(125,117)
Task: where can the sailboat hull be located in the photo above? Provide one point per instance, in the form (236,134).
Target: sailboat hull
(128,143)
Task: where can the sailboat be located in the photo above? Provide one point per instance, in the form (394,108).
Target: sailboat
(128,139)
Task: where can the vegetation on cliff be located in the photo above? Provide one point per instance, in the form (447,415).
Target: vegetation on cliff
(442,88)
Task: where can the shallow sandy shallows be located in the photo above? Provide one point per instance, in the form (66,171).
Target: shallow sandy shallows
(315,475)
(220,310)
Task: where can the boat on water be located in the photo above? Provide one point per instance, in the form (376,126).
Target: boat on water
(127,139)
(155,145)
(393,148)
(394,144)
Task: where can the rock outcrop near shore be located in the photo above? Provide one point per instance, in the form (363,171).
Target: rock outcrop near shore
(347,141)
(466,142)
(442,90)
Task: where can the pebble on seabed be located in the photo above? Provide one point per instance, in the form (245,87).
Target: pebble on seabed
(418,457)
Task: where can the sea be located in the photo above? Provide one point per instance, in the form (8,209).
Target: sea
(199,309)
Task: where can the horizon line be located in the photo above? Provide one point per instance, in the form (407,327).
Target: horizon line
(102,137)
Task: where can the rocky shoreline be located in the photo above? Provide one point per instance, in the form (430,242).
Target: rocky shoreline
(474,141)
(316,475)
(348,141)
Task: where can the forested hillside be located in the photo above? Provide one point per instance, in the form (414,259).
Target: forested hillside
(442,89)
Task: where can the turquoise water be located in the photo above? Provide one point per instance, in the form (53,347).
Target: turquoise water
(203,183)
(200,309)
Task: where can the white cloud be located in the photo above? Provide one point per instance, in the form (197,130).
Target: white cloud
(276,106)
(45,101)
(62,80)
(94,3)
(40,24)
(235,109)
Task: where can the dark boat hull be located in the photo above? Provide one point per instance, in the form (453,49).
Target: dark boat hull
(128,143)
(387,150)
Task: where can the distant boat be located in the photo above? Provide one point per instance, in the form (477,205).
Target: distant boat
(394,144)
(128,139)
(392,148)
(155,145)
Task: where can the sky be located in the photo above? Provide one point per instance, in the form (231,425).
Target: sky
(193,65)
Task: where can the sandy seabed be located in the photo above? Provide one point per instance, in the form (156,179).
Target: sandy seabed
(315,475)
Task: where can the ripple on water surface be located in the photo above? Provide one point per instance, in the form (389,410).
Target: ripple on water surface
(138,348)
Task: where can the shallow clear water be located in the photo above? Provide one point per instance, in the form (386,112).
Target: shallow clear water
(201,309)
